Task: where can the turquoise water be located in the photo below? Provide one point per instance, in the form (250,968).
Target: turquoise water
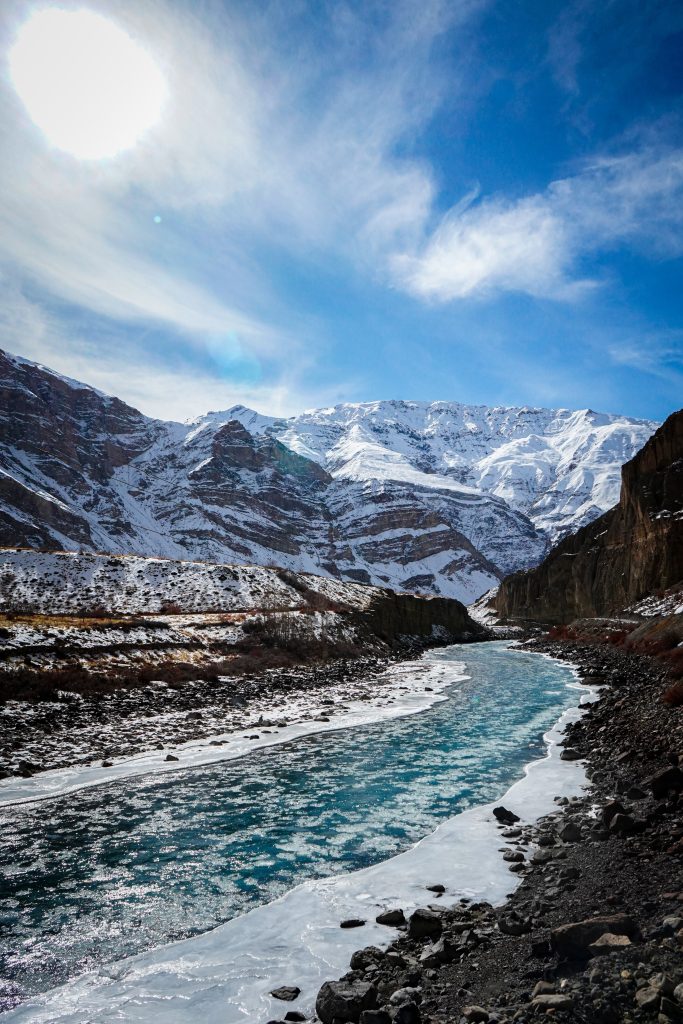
(107,872)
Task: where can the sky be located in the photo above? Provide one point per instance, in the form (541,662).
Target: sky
(469,200)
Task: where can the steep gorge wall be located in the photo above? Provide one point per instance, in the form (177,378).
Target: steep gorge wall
(631,551)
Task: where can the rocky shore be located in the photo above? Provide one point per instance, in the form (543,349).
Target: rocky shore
(594,931)
(78,729)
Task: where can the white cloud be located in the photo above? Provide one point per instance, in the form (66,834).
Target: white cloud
(535,244)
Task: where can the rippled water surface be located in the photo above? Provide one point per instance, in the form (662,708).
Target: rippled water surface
(110,871)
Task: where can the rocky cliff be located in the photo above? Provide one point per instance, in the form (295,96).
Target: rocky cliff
(435,498)
(631,552)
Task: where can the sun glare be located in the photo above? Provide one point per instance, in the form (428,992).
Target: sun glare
(86,84)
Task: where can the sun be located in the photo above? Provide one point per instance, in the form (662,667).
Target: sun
(86,84)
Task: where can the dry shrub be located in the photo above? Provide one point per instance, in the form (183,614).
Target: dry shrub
(561,633)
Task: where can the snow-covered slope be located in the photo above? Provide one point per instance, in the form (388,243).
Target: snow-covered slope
(433,498)
(559,467)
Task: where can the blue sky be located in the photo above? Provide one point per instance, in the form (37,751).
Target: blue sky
(477,201)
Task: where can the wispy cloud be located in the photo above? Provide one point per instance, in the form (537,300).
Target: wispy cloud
(657,354)
(270,142)
(536,244)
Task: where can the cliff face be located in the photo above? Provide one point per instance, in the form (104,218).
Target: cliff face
(631,551)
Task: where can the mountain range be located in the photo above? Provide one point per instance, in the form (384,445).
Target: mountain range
(435,498)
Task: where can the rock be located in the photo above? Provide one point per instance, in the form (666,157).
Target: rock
(437,887)
(286,992)
(295,1015)
(668,1010)
(552,1002)
(375,1017)
(476,1014)
(362,958)
(171,757)
(624,825)
(352,922)
(441,952)
(571,833)
(647,998)
(544,988)
(514,925)
(573,940)
(513,856)
(423,923)
(392,918)
(663,984)
(345,1000)
(635,793)
(407,1013)
(612,808)
(672,924)
(664,781)
(678,994)
(570,754)
(608,943)
(505,817)
(408,994)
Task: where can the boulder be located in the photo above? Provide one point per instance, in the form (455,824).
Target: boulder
(665,781)
(504,816)
(352,922)
(573,940)
(424,923)
(392,918)
(286,992)
(624,825)
(407,1013)
(570,754)
(647,998)
(514,925)
(362,958)
(571,833)
(476,1014)
(612,808)
(552,1002)
(345,1000)
(375,1017)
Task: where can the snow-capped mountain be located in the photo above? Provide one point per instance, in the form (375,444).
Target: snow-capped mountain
(430,497)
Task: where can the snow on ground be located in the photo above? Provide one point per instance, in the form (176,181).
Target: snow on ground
(669,603)
(64,582)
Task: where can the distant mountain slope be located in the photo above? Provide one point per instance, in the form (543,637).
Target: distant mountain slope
(633,551)
(434,498)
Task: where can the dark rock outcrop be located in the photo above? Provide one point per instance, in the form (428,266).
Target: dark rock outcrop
(632,551)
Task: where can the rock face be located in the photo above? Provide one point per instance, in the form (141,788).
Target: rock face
(632,551)
(434,498)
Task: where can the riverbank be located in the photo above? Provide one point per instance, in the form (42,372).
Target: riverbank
(594,932)
(160,729)
(385,779)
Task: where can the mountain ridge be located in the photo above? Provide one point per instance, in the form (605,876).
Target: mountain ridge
(441,498)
